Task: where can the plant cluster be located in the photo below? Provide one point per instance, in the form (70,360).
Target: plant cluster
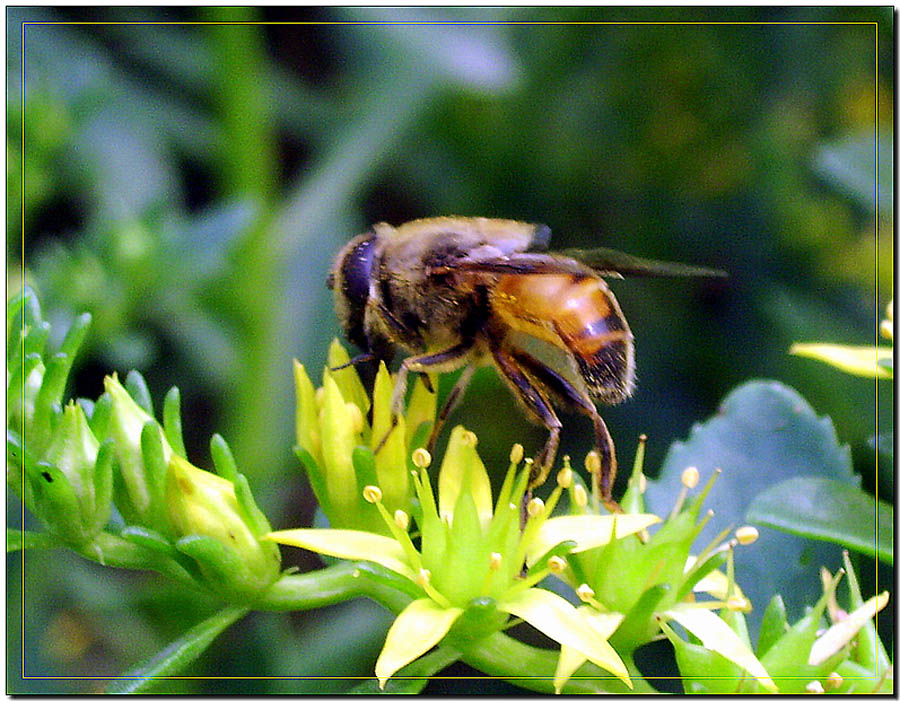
(457,565)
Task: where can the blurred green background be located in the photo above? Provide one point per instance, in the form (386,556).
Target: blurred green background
(189,184)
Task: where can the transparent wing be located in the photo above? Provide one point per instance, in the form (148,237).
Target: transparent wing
(612,263)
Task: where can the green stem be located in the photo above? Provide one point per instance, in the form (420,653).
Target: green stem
(340,582)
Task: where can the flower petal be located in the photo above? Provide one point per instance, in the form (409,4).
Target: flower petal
(461,469)
(715,635)
(587,530)
(558,619)
(348,545)
(844,631)
(715,583)
(418,628)
(570,659)
(857,360)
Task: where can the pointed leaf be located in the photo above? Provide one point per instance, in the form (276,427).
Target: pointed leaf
(558,619)
(857,360)
(715,635)
(177,655)
(824,509)
(418,628)
(348,545)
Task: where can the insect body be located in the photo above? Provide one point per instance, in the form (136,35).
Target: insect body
(464,291)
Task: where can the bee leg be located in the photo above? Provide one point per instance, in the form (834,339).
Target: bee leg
(570,396)
(450,404)
(442,361)
(355,360)
(537,405)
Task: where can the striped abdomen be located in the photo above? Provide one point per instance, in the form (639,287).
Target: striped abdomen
(579,315)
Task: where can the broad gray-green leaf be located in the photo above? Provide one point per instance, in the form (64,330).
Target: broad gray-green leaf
(849,164)
(763,433)
(824,509)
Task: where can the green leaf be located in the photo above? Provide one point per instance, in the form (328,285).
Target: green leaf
(172,659)
(774,625)
(763,432)
(414,677)
(824,509)
(849,165)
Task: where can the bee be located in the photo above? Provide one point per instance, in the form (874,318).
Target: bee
(463,292)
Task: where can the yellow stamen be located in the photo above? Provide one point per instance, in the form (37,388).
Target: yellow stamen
(579,496)
(371,494)
(746,535)
(535,507)
(516,454)
(690,478)
(834,681)
(421,458)
(556,564)
(815,687)
(592,462)
(401,518)
(564,477)
(470,439)
(585,593)
(496,561)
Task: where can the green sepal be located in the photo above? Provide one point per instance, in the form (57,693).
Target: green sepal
(137,388)
(75,335)
(639,624)
(703,671)
(774,625)
(155,465)
(172,421)
(480,619)
(15,397)
(103,483)
(364,466)
(36,338)
(786,659)
(222,457)
(316,477)
(254,518)
(50,393)
(465,563)
(13,307)
(148,538)
(870,651)
(222,567)
(99,418)
(698,573)
(56,503)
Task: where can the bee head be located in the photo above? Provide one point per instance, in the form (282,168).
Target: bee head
(349,278)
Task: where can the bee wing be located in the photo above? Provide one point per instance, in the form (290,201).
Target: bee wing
(518,264)
(612,263)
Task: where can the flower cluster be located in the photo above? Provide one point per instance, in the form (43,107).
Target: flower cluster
(474,565)
(72,466)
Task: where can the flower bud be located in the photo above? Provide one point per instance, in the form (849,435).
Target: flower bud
(206,516)
(74,452)
(143,499)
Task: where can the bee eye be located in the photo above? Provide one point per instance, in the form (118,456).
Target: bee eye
(356,271)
